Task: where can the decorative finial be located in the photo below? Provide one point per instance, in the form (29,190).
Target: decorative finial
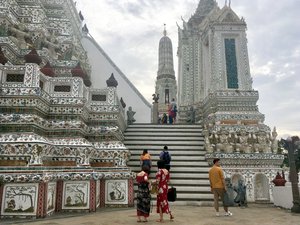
(225,2)
(112,82)
(123,104)
(229,3)
(85,29)
(81,16)
(165,31)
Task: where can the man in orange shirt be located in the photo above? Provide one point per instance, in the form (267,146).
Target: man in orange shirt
(218,188)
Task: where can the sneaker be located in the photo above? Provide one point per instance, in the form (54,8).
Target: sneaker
(228,213)
(217,214)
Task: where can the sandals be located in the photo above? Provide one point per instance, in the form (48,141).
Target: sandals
(171,216)
(160,220)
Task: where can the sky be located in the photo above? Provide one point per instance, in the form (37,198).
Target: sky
(129,32)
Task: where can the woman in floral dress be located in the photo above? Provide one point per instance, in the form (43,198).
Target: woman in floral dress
(143,194)
(162,179)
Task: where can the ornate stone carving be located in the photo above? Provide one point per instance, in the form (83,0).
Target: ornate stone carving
(130,116)
(33,57)
(155,98)
(3,59)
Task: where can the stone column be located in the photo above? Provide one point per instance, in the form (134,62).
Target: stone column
(1,196)
(155,113)
(102,193)
(42,200)
(130,192)
(59,195)
(93,196)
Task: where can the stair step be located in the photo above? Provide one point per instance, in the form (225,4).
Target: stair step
(177,138)
(165,134)
(163,142)
(172,152)
(174,157)
(182,182)
(189,176)
(192,189)
(189,168)
(195,196)
(161,146)
(187,189)
(174,163)
(184,176)
(164,126)
(174,169)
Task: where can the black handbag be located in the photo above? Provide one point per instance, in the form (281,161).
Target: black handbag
(172,195)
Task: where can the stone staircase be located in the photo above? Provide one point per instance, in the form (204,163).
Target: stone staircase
(189,169)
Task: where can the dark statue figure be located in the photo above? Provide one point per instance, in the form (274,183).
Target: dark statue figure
(191,116)
(122,103)
(155,98)
(279,180)
(229,195)
(240,199)
(130,114)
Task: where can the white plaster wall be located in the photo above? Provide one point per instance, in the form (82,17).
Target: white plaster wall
(283,196)
(103,67)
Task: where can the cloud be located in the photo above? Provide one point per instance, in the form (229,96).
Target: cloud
(129,31)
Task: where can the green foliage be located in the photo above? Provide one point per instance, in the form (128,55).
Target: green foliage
(285,162)
(298,160)
(282,145)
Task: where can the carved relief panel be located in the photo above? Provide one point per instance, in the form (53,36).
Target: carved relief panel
(76,195)
(116,192)
(20,199)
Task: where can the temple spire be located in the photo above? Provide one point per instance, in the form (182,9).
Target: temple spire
(165,55)
(165,85)
(205,6)
(203,9)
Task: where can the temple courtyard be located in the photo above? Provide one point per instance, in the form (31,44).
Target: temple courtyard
(184,215)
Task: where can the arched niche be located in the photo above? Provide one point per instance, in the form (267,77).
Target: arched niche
(261,188)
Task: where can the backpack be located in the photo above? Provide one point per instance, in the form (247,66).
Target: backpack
(166,157)
(175,108)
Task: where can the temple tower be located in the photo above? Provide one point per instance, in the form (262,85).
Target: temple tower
(166,85)
(214,78)
(214,74)
(51,117)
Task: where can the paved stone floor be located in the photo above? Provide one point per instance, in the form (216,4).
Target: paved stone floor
(184,215)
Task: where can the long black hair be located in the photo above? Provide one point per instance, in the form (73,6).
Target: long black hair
(145,151)
(161,164)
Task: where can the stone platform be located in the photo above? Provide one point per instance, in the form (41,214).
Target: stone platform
(184,215)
